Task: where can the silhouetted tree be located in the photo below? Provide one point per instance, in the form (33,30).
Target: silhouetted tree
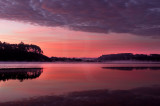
(21,52)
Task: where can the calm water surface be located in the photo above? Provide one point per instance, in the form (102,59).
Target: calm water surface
(25,80)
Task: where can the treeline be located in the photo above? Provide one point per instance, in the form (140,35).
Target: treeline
(21,52)
(129,56)
(64,59)
(30,52)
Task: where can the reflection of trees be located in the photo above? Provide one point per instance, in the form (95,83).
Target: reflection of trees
(132,68)
(20,73)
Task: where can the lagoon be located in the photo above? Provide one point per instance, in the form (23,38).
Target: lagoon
(47,79)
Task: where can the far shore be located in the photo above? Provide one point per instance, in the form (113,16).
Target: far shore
(83,62)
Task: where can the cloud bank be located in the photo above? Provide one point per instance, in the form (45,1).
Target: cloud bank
(140,17)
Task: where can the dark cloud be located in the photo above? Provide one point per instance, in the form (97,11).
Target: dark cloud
(140,17)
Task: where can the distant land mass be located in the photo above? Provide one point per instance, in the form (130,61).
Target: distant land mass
(30,52)
(65,59)
(112,57)
(129,56)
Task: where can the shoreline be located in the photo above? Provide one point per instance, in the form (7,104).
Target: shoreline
(105,62)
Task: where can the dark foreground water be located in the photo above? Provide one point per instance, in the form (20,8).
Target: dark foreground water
(79,84)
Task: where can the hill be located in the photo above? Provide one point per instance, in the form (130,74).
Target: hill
(129,56)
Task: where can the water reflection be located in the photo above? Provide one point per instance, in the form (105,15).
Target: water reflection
(132,68)
(20,73)
(141,96)
(61,79)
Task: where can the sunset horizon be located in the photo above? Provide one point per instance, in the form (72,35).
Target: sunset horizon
(63,42)
(80,52)
(87,30)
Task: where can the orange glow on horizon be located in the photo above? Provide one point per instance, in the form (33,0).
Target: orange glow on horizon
(62,42)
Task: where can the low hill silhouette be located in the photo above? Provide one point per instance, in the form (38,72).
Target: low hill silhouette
(129,56)
(65,59)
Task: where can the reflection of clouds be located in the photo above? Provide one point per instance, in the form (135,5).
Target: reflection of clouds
(20,73)
(121,16)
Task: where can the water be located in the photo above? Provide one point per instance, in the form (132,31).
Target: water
(25,80)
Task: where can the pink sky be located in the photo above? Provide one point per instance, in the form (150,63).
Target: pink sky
(62,42)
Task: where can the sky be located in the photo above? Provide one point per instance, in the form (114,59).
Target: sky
(82,28)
